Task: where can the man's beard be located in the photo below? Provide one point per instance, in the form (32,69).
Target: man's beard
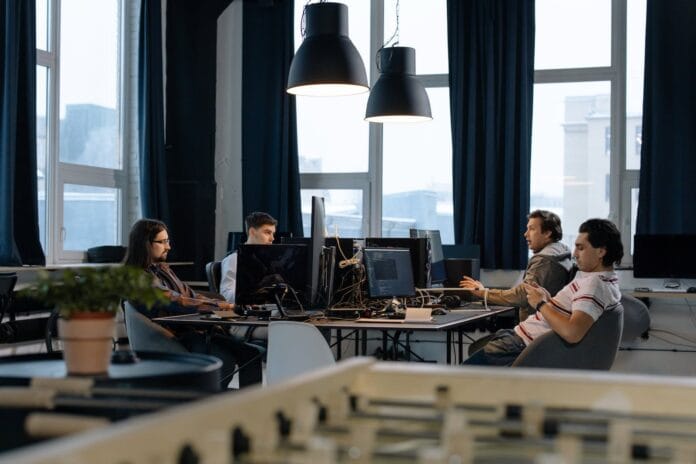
(161,258)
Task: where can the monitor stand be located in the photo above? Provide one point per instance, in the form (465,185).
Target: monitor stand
(277,290)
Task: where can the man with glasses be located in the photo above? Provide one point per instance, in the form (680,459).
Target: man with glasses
(148,247)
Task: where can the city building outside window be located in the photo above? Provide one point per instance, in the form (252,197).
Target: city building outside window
(81,167)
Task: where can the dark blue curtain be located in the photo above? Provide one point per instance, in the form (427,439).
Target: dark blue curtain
(191,50)
(667,198)
(491,70)
(270,164)
(153,160)
(19,216)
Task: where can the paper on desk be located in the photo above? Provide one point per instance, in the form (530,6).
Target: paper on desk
(225,313)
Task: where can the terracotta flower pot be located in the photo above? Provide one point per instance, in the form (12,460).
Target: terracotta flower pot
(87,342)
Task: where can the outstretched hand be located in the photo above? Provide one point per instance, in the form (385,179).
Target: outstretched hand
(470,284)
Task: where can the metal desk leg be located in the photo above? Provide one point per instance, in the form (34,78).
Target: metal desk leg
(461,346)
(363,342)
(339,339)
(395,345)
(449,347)
(408,345)
(384,343)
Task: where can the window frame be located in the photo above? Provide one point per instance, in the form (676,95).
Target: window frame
(369,182)
(622,179)
(59,173)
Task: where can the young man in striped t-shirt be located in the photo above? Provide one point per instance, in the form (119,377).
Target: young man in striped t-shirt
(573,310)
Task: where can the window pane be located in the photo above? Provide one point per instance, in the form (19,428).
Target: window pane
(89,83)
(42,146)
(570,163)
(343,211)
(42,24)
(635,61)
(423,26)
(572,34)
(330,140)
(417,181)
(90,216)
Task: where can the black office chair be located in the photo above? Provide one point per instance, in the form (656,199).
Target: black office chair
(597,350)
(213,272)
(7,283)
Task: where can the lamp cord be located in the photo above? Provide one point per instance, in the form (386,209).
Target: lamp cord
(394,35)
(396,31)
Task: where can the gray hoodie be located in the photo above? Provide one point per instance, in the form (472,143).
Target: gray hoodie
(550,268)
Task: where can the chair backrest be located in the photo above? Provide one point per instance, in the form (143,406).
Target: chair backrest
(212,270)
(7,283)
(293,349)
(636,318)
(597,350)
(145,335)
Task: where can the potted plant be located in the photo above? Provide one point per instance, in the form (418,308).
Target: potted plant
(87,299)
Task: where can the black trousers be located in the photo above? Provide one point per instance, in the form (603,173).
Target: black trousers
(233,352)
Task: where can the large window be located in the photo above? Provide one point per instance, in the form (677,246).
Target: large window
(81,168)
(588,111)
(381,179)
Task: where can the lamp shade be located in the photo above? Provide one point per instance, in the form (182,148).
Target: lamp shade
(327,63)
(398,96)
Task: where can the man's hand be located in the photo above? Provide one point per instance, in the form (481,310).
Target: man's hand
(225,306)
(188,301)
(469,283)
(536,294)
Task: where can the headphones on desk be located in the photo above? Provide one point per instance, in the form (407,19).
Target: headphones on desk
(451,301)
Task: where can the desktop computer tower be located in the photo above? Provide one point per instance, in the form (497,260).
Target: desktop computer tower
(456,268)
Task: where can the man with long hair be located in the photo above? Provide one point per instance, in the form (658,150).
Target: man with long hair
(148,247)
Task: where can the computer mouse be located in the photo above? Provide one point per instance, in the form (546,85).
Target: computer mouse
(691,290)
(439,312)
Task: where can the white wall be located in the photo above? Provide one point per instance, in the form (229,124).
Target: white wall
(228,131)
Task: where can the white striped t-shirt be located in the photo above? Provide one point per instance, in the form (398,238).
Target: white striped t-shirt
(590,292)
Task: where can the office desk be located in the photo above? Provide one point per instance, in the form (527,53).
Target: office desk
(659,294)
(454,321)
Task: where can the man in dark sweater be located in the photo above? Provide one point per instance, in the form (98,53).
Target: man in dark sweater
(148,246)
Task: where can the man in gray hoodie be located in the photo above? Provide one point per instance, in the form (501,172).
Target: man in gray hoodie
(548,268)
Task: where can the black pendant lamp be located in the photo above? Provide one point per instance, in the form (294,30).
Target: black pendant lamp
(327,63)
(398,96)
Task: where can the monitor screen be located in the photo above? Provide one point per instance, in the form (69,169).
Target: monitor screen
(260,267)
(388,272)
(664,256)
(418,248)
(437,259)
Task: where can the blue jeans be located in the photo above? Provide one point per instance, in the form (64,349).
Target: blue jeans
(501,350)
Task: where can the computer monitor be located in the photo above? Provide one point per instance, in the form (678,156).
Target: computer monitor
(264,270)
(388,272)
(437,259)
(418,248)
(664,256)
(322,259)
(343,246)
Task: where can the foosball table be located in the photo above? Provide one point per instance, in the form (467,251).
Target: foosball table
(362,411)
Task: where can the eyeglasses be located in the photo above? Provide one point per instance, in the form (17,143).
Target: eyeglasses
(165,241)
